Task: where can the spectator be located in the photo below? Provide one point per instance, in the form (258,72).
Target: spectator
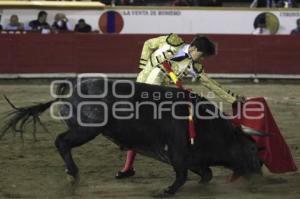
(40,23)
(14,24)
(286,3)
(81,26)
(209,3)
(124,2)
(130,2)
(61,23)
(296,31)
(135,2)
(112,2)
(180,3)
(261,28)
(263,4)
(273,3)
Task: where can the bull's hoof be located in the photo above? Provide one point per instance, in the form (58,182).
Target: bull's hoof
(73,179)
(164,194)
(206,176)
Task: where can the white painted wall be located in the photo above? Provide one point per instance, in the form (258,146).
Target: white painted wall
(160,21)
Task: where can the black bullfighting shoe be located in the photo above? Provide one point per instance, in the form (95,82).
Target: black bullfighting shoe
(125,174)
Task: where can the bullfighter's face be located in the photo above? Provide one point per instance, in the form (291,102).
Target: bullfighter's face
(197,56)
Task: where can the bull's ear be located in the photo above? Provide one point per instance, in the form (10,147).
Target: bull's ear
(252,132)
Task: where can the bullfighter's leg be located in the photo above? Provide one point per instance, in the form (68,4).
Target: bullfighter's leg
(70,139)
(128,169)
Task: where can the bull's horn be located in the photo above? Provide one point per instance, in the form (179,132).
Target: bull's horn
(252,132)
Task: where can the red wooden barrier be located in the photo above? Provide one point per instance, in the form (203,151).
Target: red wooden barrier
(35,53)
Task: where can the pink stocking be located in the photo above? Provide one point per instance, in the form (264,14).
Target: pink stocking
(129,160)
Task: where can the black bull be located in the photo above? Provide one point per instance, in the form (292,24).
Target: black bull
(153,121)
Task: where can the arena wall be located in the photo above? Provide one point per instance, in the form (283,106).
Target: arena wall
(119,53)
(156,19)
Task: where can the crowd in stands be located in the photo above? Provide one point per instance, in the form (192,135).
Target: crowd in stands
(252,3)
(243,3)
(169,3)
(60,24)
(274,3)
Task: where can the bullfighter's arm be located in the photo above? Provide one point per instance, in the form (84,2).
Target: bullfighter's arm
(149,47)
(214,86)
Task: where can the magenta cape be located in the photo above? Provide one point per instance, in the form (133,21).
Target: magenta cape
(273,150)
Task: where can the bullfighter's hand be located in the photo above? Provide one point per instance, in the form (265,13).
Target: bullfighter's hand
(240,99)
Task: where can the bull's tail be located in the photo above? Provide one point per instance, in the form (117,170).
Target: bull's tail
(17,119)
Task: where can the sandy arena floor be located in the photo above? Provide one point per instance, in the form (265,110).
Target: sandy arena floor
(35,170)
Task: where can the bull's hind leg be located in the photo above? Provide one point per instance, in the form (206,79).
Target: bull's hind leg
(70,139)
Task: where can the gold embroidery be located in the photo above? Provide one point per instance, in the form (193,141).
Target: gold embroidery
(174,40)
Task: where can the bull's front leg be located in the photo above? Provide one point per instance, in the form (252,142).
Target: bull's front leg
(181,176)
(205,173)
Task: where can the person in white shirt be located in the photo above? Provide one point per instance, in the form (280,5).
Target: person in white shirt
(14,24)
(261,28)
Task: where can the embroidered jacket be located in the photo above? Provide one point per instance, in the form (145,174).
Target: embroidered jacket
(166,48)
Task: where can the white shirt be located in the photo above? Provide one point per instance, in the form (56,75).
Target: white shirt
(182,51)
(261,31)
